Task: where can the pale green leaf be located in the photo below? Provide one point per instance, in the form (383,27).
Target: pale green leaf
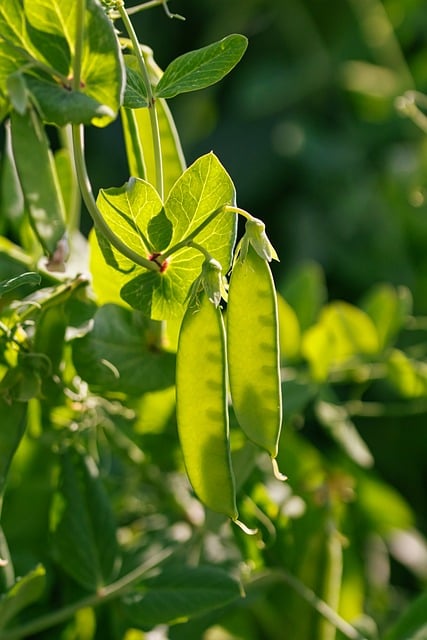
(408,376)
(200,191)
(388,307)
(201,68)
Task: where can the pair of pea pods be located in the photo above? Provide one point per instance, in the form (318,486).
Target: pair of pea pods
(242,356)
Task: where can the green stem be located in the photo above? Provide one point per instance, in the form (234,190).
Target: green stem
(228,208)
(154,3)
(80,163)
(89,200)
(155,132)
(105,594)
(199,247)
(78,45)
(345,628)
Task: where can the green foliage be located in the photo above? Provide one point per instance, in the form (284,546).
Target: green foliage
(124,459)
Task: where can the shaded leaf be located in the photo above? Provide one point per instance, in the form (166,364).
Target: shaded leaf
(117,355)
(82,523)
(179,593)
(12,429)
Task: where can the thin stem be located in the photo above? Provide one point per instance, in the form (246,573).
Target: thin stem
(89,200)
(73,213)
(80,163)
(78,50)
(315,602)
(155,132)
(231,209)
(105,594)
(150,5)
(199,247)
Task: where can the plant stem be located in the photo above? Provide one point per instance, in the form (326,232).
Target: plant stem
(155,132)
(89,200)
(313,600)
(105,594)
(154,3)
(80,163)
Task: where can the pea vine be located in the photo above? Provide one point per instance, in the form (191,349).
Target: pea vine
(163,245)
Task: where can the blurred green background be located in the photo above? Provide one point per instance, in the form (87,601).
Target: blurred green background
(308,129)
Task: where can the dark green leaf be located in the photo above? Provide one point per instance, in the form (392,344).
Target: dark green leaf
(25,591)
(412,624)
(84,531)
(201,68)
(29,278)
(18,94)
(180,593)
(117,355)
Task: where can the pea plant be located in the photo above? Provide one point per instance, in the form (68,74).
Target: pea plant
(92,330)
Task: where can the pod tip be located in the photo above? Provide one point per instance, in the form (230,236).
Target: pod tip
(244,528)
(276,471)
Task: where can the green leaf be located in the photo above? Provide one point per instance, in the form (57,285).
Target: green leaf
(343,335)
(45,36)
(305,291)
(29,278)
(135,92)
(37,175)
(59,105)
(82,524)
(412,623)
(201,68)
(102,73)
(118,355)
(128,210)
(408,376)
(18,93)
(13,423)
(388,307)
(180,593)
(25,591)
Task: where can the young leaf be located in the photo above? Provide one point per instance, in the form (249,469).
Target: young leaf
(25,591)
(84,531)
(179,593)
(200,191)
(117,355)
(37,174)
(201,68)
(412,623)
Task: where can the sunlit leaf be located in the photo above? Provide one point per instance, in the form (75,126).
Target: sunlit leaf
(199,69)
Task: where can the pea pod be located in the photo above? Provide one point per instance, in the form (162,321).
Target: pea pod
(201,405)
(253,350)
(38,178)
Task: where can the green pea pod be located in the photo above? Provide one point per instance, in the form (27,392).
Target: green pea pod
(253,351)
(37,175)
(201,404)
